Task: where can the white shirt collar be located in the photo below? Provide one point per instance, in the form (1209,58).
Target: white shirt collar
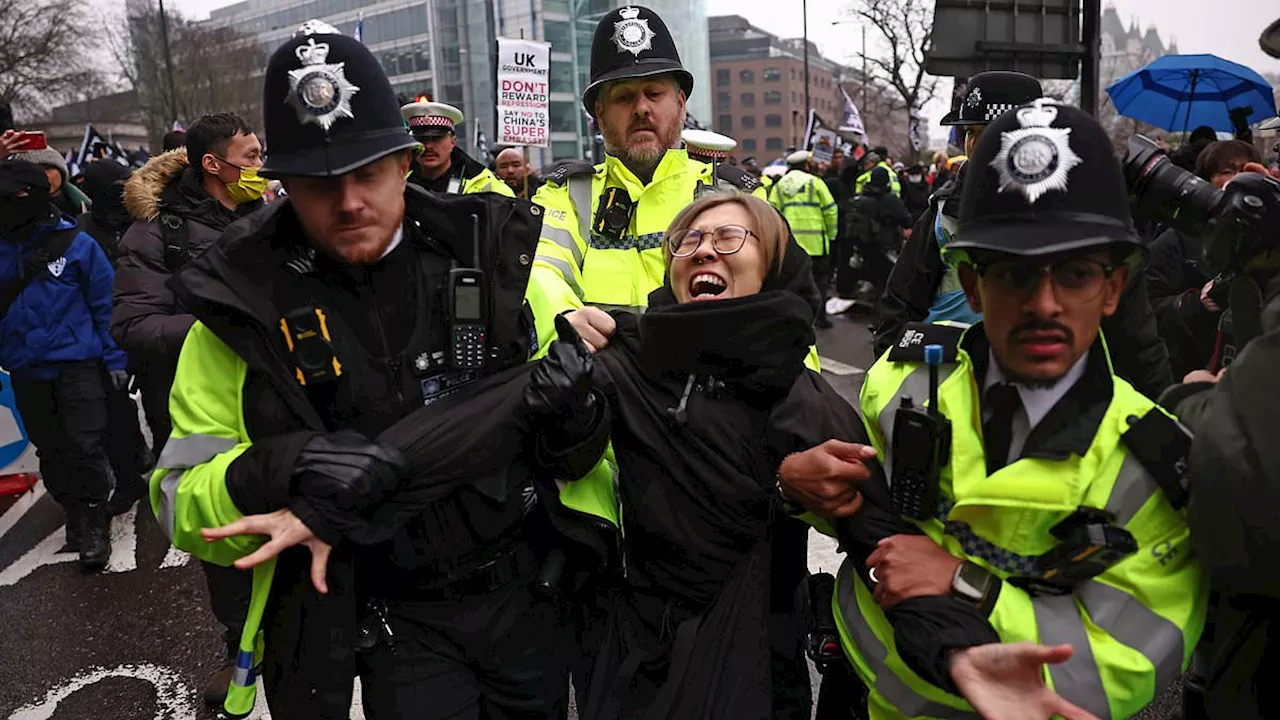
(1036,401)
(395,242)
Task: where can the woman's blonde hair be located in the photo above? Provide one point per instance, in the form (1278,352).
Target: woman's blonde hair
(769,227)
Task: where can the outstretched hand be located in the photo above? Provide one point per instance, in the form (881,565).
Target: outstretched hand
(1006,680)
(285,530)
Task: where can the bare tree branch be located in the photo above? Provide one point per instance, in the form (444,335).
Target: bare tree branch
(43,51)
(902,29)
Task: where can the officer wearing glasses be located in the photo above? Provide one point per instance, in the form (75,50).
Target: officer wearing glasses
(1058,507)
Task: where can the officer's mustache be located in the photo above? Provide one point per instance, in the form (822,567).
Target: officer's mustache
(1016,334)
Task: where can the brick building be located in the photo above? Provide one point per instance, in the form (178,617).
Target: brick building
(757,87)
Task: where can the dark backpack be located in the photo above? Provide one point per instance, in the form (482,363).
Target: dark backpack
(177,244)
(862,221)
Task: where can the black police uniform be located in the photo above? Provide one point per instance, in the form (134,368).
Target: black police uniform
(439,621)
(1140,355)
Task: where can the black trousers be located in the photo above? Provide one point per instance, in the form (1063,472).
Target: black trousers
(822,276)
(125,445)
(499,656)
(155,404)
(229,591)
(66,419)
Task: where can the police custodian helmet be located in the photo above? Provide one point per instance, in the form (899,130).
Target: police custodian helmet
(632,42)
(992,94)
(327,106)
(1043,180)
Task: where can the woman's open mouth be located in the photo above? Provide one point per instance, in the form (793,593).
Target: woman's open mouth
(706,286)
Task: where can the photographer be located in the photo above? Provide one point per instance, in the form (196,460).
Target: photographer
(1186,301)
(1235,465)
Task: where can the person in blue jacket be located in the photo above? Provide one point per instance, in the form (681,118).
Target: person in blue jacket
(55,315)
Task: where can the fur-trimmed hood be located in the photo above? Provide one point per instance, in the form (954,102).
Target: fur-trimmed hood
(142,192)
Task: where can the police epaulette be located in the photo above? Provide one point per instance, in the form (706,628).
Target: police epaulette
(915,336)
(566,169)
(1162,445)
(737,177)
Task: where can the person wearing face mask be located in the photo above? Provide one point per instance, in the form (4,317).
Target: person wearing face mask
(922,287)
(55,312)
(181,201)
(915,191)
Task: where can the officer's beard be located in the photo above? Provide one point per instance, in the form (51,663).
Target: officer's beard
(644,160)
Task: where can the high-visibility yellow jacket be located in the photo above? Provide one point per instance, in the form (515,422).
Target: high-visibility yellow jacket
(581,267)
(807,204)
(1133,627)
(215,416)
(895,185)
(476,178)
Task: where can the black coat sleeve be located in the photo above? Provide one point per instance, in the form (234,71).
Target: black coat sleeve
(1187,326)
(1137,352)
(1234,512)
(912,284)
(926,629)
(145,320)
(895,212)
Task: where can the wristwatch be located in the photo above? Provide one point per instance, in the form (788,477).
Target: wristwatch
(972,584)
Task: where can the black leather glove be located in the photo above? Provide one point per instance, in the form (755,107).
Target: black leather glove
(560,387)
(347,470)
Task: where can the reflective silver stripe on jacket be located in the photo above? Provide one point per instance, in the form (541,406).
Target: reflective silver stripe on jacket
(1134,487)
(564,239)
(1078,679)
(874,654)
(580,197)
(180,454)
(565,270)
(633,309)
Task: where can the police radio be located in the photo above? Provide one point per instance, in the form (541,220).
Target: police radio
(921,446)
(465,305)
(306,335)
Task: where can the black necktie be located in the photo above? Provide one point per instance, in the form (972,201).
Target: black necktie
(1002,401)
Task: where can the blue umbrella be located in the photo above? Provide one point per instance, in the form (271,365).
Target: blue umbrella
(1182,92)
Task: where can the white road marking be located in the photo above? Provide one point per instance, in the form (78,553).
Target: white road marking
(46,553)
(835,367)
(124,542)
(173,696)
(20,508)
(175,558)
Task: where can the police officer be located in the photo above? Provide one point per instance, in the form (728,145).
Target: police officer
(878,157)
(442,166)
(615,213)
(320,322)
(601,244)
(1058,506)
(922,287)
(807,204)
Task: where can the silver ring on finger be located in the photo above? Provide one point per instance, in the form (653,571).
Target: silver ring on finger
(871,575)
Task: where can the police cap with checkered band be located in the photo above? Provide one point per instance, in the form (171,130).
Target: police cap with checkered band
(328,107)
(992,94)
(632,42)
(1043,180)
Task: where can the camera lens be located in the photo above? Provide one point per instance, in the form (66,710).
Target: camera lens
(1165,192)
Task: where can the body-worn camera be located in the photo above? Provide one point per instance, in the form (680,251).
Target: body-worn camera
(1236,224)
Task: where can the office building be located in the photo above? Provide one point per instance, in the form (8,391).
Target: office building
(759,88)
(445,49)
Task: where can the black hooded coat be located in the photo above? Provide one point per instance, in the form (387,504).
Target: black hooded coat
(706,399)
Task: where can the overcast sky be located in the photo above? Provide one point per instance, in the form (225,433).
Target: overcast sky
(1227,28)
